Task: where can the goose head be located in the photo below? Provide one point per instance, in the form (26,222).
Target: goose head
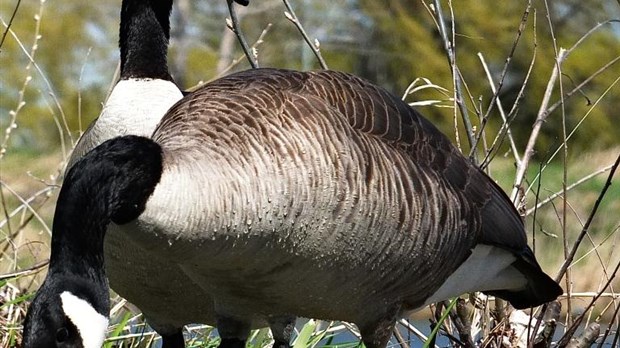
(110,184)
(67,312)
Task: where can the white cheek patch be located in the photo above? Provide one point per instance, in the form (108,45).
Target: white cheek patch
(90,323)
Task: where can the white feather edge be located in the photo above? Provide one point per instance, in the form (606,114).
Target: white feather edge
(487,268)
(91,324)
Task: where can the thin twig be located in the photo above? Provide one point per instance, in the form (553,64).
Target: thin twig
(236,61)
(399,338)
(513,145)
(6,31)
(413,330)
(591,31)
(583,83)
(609,329)
(564,166)
(570,135)
(512,115)
(73,143)
(500,84)
(27,205)
(568,188)
(314,46)
(573,328)
(548,110)
(30,270)
(577,243)
(449,48)
(586,294)
(30,55)
(233,25)
(584,230)
(516,194)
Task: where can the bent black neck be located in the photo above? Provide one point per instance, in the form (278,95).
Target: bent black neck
(144,35)
(109,184)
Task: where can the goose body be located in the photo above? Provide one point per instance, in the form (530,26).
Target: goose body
(282,193)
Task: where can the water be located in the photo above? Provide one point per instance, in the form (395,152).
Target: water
(343,336)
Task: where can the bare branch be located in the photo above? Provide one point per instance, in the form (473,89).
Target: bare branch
(570,187)
(583,83)
(233,24)
(500,84)
(314,46)
(449,48)
(584,230)
(590,32)
(570,135)
(573,328)
(31,63)
(8,26)
(513,145)
(30,270)
(235,61)
(516,194)
(513,111)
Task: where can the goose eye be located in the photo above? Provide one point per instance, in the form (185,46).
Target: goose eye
(62,335)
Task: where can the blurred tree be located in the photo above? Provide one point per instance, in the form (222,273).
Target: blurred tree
(71,54)
(411,47)
(391,43)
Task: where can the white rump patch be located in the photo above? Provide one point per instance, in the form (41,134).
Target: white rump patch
(487,268)
(91,324)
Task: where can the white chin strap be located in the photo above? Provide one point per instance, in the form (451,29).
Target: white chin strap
(91,324)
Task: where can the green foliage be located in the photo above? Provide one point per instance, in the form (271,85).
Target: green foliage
(59,36)
(406,30)
(390,43)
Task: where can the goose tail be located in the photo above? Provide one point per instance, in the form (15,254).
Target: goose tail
(539,288)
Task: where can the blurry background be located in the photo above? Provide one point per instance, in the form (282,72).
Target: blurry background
(390,43)
(58,62)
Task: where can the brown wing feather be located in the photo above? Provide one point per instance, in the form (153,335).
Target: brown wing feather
(492,219)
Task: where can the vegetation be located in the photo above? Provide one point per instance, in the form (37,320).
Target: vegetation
(531,86)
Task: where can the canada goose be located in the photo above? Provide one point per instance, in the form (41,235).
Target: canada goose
(145,90)
(137,103)
(265,181)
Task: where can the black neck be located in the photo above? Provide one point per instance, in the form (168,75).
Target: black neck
(110,184)
(144,34)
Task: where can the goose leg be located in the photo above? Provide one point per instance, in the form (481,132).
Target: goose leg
(377,336)
(377,333)
(232,343)
(233,332)
(174,340)
(282,328)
